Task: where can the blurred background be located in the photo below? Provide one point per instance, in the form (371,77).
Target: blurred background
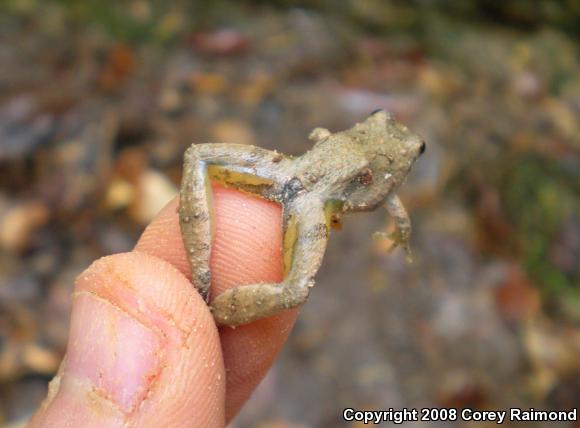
(99,99)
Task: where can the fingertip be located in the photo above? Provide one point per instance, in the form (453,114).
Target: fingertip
(142,347)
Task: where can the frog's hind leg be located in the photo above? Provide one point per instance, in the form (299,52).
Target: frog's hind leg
(195,216)
(247,303)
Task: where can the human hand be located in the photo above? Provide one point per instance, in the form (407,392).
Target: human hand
(144,350)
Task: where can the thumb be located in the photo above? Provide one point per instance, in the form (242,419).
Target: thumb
(142,346)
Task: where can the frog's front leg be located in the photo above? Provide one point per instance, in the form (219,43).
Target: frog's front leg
(403,228)
(195,216)
(247,303)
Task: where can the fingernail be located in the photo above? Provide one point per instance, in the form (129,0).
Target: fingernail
(117,354)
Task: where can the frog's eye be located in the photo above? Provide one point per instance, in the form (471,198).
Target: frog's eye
(380,114)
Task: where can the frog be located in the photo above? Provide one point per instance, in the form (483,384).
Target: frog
(355,170)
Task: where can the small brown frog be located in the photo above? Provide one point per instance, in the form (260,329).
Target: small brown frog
(355,170)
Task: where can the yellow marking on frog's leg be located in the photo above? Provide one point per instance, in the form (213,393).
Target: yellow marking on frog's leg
(402,234)
(203,162)
(290,236)
(243,181)
(247,303)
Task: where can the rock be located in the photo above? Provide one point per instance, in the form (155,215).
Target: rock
(120,194)
(154,191)
(19,221)
(39,359)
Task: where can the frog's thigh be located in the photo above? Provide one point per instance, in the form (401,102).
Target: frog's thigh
(244,304)
(195,218)
(195,215)
(242,155)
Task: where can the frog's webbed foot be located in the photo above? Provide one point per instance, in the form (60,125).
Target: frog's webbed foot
(247,303)
(402,233)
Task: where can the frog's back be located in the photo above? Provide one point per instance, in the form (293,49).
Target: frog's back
(330,163)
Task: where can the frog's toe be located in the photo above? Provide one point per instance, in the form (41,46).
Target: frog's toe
(397,240)
(401,240)
(380,235)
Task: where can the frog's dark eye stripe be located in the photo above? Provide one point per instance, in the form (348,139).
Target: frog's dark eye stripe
(376,111)
(422,147)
